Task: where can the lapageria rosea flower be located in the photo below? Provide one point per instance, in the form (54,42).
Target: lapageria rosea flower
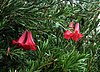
(76,34)
(29,43)
(68,33)
(25,42)
(21,40)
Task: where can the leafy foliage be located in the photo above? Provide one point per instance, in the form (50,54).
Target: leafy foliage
(47,20)
(74,62)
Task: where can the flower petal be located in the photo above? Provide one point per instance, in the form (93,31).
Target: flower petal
(77,28)
(71,25)
(21,40)
(67,34)
(29,44)
(76,36)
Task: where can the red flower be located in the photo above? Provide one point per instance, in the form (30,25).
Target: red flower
(67,34)
(76,34)
(71,25)
(21,40)
(29,44)
(25,41)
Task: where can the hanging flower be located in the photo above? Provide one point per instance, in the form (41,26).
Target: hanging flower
(25,41)
(76,34)
(67,34)
(29,44)
(21,40)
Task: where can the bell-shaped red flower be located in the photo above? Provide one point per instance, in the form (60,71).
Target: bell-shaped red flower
(25,41)
(29,44)
(71,25)
(21,40)
(76,34)
(67,34)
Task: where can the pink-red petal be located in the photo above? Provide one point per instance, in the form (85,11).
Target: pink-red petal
(71,25)
(67,34)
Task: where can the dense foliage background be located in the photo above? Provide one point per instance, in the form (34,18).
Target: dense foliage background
(48,20)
